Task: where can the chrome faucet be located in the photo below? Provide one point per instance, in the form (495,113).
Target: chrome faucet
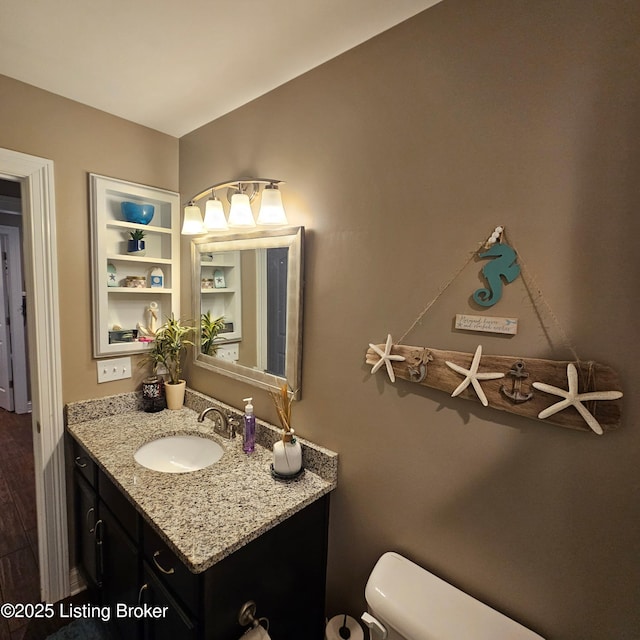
(223,425)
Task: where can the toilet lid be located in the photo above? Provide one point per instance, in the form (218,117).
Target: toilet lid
(421,606)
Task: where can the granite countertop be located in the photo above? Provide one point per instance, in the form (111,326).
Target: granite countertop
(203,515)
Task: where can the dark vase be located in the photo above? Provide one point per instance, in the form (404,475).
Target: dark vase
(153,395)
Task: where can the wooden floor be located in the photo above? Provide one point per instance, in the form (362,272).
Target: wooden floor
(19,575)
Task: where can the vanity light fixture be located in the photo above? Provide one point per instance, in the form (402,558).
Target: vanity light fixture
(214,214)
(271,209)
(240,194)
(240,214)
(192,222)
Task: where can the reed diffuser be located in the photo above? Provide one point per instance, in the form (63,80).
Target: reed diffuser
(287,452)
(283,400)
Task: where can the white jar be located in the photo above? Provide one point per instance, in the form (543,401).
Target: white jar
(287,456)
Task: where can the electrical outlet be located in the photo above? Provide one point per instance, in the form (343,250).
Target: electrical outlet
(114,369)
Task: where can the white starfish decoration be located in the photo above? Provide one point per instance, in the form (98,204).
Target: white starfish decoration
(386,357)
(573,398)
(472,376)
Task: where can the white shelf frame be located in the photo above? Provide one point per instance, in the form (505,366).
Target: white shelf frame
(105,192)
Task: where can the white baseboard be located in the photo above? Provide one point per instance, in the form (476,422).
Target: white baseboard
(76,581)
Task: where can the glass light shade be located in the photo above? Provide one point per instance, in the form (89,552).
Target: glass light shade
(240,214)
(271,209)
(214,216)
(192,222)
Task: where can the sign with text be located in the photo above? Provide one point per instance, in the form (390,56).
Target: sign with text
(488,324)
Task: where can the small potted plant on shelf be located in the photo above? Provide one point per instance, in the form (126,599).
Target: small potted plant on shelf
(209,330)
(135,244)
(168,350)
(287,452)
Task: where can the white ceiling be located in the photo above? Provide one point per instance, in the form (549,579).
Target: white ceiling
(174,65)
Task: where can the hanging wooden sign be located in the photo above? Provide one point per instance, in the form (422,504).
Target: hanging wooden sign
(486,324)
(573,394)
(580,395)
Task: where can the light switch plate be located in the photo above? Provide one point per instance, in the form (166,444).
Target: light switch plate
(113,369)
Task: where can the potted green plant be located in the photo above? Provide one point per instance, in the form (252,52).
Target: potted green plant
(209,330)
(135,244)
(168,350)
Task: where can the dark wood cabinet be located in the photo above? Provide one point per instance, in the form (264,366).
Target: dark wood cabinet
(128,564)
(172,621)
(86,508)
(120,572)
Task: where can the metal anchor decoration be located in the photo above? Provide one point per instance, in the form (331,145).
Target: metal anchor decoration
(518,375)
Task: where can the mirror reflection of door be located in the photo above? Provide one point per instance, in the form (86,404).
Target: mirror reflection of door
(277,261)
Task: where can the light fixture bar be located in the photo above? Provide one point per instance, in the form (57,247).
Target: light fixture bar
(234,184)
(240,194)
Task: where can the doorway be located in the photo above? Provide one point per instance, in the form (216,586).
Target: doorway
(14,375)
(35,176)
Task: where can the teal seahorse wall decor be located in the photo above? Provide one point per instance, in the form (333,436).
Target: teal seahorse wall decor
(502,265)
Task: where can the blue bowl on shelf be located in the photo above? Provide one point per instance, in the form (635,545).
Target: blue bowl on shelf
(138,213)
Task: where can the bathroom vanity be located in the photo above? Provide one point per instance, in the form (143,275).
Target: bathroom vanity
(190,549)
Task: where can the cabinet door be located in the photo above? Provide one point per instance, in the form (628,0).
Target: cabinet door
(171,621)
(120,572)
(284,579)
(86,520)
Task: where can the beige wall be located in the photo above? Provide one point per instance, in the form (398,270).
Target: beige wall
(400,157)
(81,140)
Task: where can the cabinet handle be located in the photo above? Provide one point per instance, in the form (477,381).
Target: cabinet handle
(79,464)
(155,561)
(89,527)
(99,551)
(143,588)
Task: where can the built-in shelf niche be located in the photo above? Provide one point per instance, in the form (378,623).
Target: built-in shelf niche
(115,304)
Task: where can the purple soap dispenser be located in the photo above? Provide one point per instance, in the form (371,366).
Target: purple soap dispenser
(249,431)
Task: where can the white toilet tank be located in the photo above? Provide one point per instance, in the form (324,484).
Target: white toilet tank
(413,604)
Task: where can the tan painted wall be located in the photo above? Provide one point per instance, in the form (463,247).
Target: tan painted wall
(81,140)
(400,157)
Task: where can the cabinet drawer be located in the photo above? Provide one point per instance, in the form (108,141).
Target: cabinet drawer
(84,464)
(119,506)
(181,583)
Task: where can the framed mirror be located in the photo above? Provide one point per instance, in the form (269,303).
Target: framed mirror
(247,302)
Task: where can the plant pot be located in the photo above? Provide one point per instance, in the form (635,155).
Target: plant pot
(136,247)
(287,456)
(174,394)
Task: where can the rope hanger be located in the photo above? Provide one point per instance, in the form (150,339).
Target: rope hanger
(528,279)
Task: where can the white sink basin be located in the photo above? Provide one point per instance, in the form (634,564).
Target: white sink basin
(178,454)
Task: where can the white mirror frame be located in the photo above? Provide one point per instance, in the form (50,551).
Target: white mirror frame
(291,237)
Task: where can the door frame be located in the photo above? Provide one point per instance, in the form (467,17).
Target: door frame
(43,331)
